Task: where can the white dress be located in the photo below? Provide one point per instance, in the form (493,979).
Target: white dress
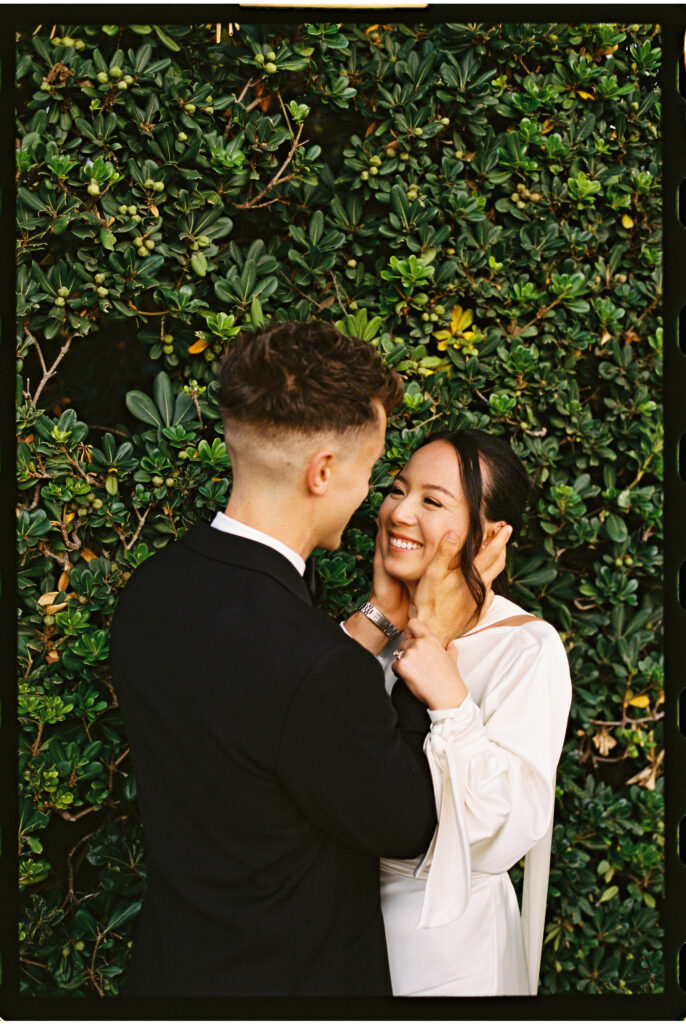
(453,926)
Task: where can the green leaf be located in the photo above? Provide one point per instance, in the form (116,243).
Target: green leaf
(616,529)
(199,263)
(143,408)
(170,43)
(164,396)
(122,916)
(107,238)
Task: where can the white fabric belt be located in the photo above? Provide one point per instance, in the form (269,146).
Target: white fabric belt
(409,868)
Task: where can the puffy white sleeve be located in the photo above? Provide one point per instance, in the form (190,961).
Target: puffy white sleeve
(493,770)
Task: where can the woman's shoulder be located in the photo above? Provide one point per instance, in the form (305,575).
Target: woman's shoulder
(521,627)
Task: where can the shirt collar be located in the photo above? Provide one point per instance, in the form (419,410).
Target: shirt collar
(223,522)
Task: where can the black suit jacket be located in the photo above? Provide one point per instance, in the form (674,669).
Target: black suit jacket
(272,774)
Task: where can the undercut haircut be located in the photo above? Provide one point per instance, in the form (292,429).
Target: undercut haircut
(306,377)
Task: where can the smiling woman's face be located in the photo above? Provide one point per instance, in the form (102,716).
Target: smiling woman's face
(425,502)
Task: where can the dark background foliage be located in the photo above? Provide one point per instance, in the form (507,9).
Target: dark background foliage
(480,202)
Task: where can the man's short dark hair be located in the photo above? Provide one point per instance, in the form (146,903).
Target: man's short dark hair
(304,376)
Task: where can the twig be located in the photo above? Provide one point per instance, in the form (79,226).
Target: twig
(277,177)
(141,521)
(70,867)
(285,113)
(248,85)
(341,303)
(35,747)
(47,374)
(111,430)
(82,814)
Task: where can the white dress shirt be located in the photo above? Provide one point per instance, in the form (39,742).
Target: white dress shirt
(228,525)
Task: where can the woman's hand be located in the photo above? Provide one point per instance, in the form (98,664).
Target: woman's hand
(442,599)
(388,594)
(427,668)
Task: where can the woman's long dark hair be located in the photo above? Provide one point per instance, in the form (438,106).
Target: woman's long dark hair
(502,493)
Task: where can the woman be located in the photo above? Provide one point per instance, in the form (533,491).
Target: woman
(498,702)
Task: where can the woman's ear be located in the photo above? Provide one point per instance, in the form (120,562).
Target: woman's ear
(490,530)
(318,472)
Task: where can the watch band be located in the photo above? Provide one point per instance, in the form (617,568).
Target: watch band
(380,620)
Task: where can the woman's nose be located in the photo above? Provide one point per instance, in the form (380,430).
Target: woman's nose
(403,512)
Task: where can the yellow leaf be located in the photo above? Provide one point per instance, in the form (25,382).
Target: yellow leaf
(372,28)
(88,554)
(63,581)
(153,210)
(45,599)
(198,346)
(69,516)
(642,701)
(52,608)
(51,657)
(585,95)
(627,222)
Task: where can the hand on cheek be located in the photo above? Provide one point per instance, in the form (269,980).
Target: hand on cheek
(429,671)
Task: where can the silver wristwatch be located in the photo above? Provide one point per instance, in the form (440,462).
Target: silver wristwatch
(380,620)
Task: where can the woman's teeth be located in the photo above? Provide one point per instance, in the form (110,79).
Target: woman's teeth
(404,545)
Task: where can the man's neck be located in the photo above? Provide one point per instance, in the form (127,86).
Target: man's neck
(279,519)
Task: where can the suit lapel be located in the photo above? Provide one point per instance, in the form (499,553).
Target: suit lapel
(248,554)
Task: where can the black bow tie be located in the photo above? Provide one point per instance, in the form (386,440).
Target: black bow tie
(313,582)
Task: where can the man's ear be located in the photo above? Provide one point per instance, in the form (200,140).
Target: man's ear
(489,531)
(318,472)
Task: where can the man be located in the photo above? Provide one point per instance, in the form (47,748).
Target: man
(273,770)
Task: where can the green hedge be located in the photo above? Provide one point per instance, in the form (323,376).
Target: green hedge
(481,203)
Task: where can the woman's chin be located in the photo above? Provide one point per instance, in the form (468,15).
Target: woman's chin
(402,568)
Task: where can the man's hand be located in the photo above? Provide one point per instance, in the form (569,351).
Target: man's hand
(443,601)
(388,594)
(427,668)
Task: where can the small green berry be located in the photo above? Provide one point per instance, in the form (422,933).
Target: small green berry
(182,137)
(97,504)
(122,209)
(375,161)
(208,110)
(136,218)
(93,189)
(63,291)
(373,171)
(270,55)
(99,278)
(49,620)
(102,77)
(137,241)
(169,481)
(167,349)
(157,481)
(433,317)
(148,183)
(168,338)
(149,244)
(352,264)
(102,292)
(190,108)
(131,210)
(404,156)
(45,87)
(445,121)
(440,310)
(56,41)
(425,317)
(419,131)
(364,175)
(115,71)
(259,57)
(158,186)
(204,240)
(353,305)
(270,68)
(59,301)
(79,44)
(194,246)
(128,79)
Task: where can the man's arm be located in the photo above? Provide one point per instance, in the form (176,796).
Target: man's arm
(345,761)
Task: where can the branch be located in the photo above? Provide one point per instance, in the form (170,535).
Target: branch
(277,177)
(141,521)
(47,374)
